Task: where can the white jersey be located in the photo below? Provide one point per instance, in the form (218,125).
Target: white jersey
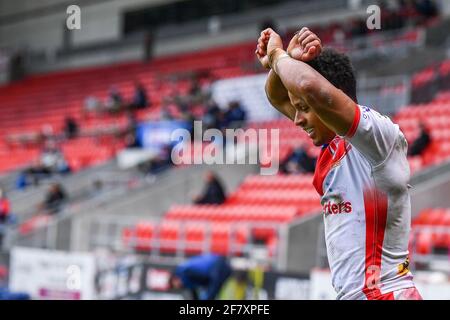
(363,182)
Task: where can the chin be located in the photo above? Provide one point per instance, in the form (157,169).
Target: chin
(317,143)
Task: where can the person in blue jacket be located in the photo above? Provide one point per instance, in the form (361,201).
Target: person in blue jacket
(203,275)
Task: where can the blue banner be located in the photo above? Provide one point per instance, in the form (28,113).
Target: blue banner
(157,134)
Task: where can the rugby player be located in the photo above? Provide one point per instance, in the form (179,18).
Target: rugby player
(362,172)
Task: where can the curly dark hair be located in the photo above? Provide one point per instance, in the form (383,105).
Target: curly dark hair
(336,68)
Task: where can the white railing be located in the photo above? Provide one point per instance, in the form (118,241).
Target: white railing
(385,94)
(387,43)
(107,232)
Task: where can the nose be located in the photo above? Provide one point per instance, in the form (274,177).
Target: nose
(299,119)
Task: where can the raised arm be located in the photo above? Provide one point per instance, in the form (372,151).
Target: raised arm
(278,96)
(304,46)
(331,105)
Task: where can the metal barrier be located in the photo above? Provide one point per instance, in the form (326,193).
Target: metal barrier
(387,43)
(106,232)
(385,94)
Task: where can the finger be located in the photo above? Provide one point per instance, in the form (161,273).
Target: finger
(311,51)
(303,30)
(261,46)
(311,54)
(308,39)
(266,32)
(258,49)
(262,39)
(312,44)
(273,34)
(262,51)
(303,36)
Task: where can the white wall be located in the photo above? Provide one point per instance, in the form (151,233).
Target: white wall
(99,21)
(8,7)
(43,33)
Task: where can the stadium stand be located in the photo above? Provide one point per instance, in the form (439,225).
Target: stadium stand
(297,190)
(258,209)
(436,115)
(45,101)
(430,237)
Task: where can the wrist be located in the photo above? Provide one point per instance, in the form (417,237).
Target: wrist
(275,56)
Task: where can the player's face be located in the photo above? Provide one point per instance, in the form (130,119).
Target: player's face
(310,122)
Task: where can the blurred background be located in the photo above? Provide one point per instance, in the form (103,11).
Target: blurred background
(91,205)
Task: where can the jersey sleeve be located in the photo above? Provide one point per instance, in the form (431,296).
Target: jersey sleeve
(372,134)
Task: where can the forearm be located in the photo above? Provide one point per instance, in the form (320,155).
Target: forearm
(278,95)
(295,76)
(331,105)
(275,89)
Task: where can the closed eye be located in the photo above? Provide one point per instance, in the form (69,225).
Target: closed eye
(304,108)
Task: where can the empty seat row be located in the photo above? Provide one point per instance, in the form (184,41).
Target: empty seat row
(189,237)
(243,213)
(431,230)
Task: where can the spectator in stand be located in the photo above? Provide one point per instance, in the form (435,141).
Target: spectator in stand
(195,87)
(183,103)
(46,133)
(114,103)
(131,141)
(140,98)
(213,116)
(92,105)
(54,200)
(213,193)
(70,128)
(33,174)
(159,163)
(203,275)
(235,116)
(421,143)
(165,113)
(53,159)
(299,161)
(4,207)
